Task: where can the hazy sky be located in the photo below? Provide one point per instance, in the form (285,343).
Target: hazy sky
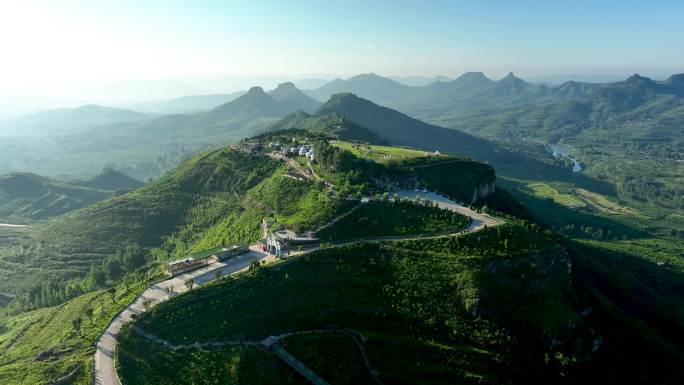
(63,48)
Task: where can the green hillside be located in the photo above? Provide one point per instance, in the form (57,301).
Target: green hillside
(110,179)
(415,307)
(441,309)
(400,129)
(503,305)
(393,218)
(28,197)
(217,197)
(122,229)
(203,189)
(144,148)
(43,345)
(332,124)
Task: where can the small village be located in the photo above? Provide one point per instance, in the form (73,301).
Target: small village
(297,147)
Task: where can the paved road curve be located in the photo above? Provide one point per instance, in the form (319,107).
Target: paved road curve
(478,220)
(105,370)
(10,225)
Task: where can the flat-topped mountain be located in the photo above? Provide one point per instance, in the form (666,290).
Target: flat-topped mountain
(291,96)
(468,80)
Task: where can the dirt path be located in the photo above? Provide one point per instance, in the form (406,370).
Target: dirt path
(339,217)
(272,344)
(296,167)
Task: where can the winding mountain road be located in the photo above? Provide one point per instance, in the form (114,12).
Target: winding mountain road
(10,225)
(105,369)
(478,220)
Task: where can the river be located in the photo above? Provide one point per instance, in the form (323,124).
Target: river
(561,151)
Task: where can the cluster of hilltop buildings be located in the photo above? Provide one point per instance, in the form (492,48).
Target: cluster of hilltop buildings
(302,150)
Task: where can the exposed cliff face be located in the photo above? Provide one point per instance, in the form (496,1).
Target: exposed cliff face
(485,190)
(461,179)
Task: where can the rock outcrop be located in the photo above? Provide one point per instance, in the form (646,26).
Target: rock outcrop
(483,191)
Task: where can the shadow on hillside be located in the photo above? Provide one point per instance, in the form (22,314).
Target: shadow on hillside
(570,221)
(635,309)
(527,167)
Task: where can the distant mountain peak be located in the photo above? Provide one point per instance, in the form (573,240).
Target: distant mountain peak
(369,85)
(286,86)
(511,77)
(472,79)
(293,98)
(636,78)
(473,75)
(284,89)
(511,84)
(255,94)
(343,96)
(373,79)
(341,100)
(370,75)
(90,107)
(254,101)
(256,90)
(676,79)
(110,179)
